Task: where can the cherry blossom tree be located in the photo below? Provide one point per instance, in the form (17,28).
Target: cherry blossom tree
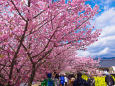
(56,62)
(31,31)
(69,59)
(84,64)
(61,58)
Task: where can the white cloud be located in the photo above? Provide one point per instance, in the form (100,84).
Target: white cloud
(105,45)
(104,51)
(103,41)
(88,53)
(108,30)
(106,18)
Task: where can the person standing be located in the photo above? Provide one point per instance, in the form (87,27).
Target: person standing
(56,80)
(66,80)
(91,81)
(48,81)
(79,81)
(71,81)
(62,80)
(109,80)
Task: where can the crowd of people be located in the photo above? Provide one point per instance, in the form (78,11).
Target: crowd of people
(56,79)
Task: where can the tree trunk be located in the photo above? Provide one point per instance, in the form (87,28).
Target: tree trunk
(32,75)
(16,53)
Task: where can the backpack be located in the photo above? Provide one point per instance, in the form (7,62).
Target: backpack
(62,80)
(50,83)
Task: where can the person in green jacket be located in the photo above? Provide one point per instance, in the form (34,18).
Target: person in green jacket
(48,81)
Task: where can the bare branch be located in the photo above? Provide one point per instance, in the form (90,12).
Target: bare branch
(42,25)
(17,51)
(46,45)
(12,48)
(76,27)
(39,14)
(62,51)
(45,55)
(18,11)
(29,54)
(29,2)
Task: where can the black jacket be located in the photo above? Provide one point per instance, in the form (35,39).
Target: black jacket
(109,80)
(91,82)
(80,82)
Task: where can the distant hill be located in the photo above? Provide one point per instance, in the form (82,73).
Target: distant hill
(104,58)
(106,61)
(108,58)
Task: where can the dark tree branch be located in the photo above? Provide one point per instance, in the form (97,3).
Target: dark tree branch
(76,27)
(16,53)
(18,11)
(46,45)
(39,14)
(48,52)
(42,25)
(29,3)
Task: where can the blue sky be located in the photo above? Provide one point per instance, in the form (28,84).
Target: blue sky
(105,20)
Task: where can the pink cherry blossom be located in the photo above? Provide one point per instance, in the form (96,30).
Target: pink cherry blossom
(37,36)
